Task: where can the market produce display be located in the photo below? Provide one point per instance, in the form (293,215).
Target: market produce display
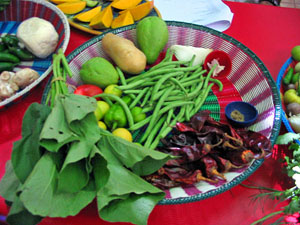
(125,134)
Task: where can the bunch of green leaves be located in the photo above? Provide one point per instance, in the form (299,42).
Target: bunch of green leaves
(292,194)
(64,161)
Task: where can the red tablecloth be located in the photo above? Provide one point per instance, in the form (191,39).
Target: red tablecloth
(270,32)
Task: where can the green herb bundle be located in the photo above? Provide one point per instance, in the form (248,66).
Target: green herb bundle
(64,161)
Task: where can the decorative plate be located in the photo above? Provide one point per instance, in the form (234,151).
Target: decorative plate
(249,80)
(84,26)
(20,10)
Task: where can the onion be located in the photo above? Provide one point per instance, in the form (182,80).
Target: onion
(186,53)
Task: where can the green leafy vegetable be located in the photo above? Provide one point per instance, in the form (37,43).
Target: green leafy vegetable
(26,152)
(40,196)
(9,183)
(141,160)
(19,215)
(126,197)
(73,162)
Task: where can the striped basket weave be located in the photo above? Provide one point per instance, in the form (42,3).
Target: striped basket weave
(20,10)
(249,80)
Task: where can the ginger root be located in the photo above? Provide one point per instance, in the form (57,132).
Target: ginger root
(11,82)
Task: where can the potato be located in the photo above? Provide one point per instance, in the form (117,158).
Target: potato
(124,53)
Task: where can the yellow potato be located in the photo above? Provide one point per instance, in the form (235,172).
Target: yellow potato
(124,53)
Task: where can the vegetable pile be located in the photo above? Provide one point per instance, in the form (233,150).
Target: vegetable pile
(291,89)
(11,52)
(64,161)
(206,149)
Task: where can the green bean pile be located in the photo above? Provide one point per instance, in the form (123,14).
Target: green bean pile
(171,91)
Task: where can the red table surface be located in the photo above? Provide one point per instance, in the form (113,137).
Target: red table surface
(270,32)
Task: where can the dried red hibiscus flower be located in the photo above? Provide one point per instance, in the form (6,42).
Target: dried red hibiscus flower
(205,150)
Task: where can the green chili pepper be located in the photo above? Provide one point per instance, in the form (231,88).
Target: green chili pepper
(288,77)
(22,54)
(2,47)
(295,78)
(137,114)
(8,57)
(6,66)
(10,40)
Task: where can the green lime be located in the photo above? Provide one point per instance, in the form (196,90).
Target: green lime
(112,89)
(102,125)
(296,53)
(101,110)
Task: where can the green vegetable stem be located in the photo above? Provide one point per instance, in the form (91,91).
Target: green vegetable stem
(61,70)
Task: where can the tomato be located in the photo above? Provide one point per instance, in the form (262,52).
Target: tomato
(88,90)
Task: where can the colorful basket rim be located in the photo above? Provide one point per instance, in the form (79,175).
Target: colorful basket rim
(276,98)
(64,47)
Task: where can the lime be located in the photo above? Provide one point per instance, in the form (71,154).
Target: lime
(102,125)
(101,110)
(123,133)
(112,89)
(296,53)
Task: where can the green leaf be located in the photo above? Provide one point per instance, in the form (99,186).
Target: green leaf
(39,193)
(26,152)
(76,107)
(141,160)
(287,138)
(100,171)
(74,174)
(131,208)
(73,178)
(126,197)
(56,131)
(19,215)
(9,183)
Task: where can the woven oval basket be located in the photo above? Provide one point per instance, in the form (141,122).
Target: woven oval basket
(249,80)
(20,10)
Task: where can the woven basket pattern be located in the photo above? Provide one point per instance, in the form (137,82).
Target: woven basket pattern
(249,81)
(20,10)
